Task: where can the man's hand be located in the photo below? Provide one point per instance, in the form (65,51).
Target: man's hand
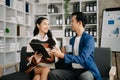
(63,50)
(56,51)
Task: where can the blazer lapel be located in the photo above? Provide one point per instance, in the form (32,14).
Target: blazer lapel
(81,42)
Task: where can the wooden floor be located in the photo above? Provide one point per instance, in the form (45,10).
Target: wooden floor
(116,62)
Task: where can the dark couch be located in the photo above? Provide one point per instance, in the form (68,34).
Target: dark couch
(102,59)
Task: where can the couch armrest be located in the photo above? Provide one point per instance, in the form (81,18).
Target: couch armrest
(112,73)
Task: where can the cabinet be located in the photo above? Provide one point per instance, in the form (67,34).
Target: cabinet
(15,30)
(60,26)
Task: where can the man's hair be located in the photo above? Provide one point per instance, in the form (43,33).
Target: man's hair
(80,17)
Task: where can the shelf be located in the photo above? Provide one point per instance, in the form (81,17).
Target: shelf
(87,0)
(56,25)
(11,22)
(55,2)
(21,12)
(10,51)
(42,14)
(1,20)
(20,37)
(73,1)
(91,24)
(90,12)
(2,13)
(40,9)
(9,36)
(14,13)
(68,25)
(40,3)
(10,8)
(9,65)
(27,13)
(55,13)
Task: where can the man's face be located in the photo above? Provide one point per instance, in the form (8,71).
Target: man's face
(74,23)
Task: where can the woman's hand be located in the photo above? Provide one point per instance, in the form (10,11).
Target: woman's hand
(56,51)
(38,57)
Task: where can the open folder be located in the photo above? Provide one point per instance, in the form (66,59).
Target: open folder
(40,49)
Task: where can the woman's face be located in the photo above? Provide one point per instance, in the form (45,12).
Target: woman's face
(43,26)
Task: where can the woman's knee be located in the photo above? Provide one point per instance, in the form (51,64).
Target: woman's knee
(40,70)
(45,69)
(36,77)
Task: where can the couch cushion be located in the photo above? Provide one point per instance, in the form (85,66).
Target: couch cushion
(23,61)
(105,78)
(103,60)
(16,76)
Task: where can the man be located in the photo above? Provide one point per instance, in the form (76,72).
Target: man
(82,57)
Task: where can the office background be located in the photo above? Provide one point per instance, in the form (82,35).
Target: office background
(102,4)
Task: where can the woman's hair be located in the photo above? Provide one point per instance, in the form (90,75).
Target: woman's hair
(49,34)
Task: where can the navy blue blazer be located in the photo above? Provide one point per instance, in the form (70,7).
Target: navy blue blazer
(86,54)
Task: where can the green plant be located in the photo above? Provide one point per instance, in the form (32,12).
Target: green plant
(66,8)
(7,30)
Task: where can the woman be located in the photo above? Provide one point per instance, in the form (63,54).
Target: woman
(42,35)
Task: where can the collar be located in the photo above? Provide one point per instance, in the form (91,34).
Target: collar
(42,39)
